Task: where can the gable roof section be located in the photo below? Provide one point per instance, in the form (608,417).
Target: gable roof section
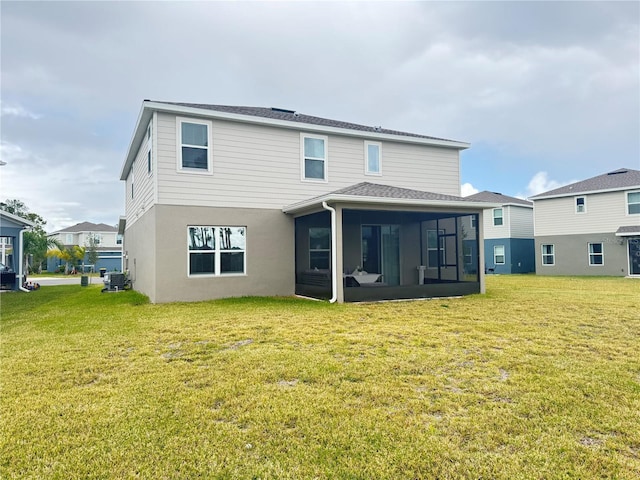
(87,227)
(496,197)
(10,220)
(276,117)
(621,179)
(373,193)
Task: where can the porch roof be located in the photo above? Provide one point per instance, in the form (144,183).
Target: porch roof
(628,231)
(375,194)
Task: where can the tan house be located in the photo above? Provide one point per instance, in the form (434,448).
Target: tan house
(234,201)
(591,227)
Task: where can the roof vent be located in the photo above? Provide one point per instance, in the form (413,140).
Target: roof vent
(377,129)
(282,110)
(618,172)
(497,193)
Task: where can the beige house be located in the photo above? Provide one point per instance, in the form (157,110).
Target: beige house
(234,201)
(591,227)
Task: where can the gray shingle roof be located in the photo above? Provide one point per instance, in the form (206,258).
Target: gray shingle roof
(88,227)
(496,197)
(292,116)
(617,179)
(628,230)
(366,189)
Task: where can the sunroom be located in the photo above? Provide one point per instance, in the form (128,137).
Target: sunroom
(373,242)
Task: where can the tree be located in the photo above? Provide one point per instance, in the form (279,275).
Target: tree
(70,255)
(91,246)
(36,242)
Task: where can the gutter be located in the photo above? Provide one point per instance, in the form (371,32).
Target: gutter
(21,266)
(334,254)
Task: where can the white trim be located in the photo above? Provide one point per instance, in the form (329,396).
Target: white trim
(542,255)
(217,251)
(493,217)
(366,158)
(584,204)
(325,160)
(150,149)
(401,202)
(589,253)
(626,203)
(586,192)
(504,255)
(179,145)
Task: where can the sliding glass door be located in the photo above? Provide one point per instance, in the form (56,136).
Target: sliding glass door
(381,251)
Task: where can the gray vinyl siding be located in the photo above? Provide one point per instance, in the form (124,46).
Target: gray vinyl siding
(499,231)
(257,166)
(144,192)
(606,212)
(572,255)
(521,222)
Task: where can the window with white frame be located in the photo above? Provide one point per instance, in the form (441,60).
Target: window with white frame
(581,204)
(433,247)
(119,239)
(498,254)
(373,158)
(319,248)
(596,254)
(216,250)
(149,163)
(548,254)
(473,221)
(194,145)
(497,217)
(314,157)
(633,203)
(68,240)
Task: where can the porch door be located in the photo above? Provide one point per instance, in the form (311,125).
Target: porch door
(634,256)
(381,251)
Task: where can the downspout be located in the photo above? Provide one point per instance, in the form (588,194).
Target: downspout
(334,254)
(21,266)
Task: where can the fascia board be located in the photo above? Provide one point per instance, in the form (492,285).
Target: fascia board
(307,204)
(588,192)
(138,134)
(18,220)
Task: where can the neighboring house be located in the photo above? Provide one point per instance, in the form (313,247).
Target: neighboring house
(590,227)
(109,245)
(508,234)
(12,228)
(232,201)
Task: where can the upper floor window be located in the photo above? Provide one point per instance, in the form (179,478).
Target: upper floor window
(373,158)
(314,157)
(194,145)
(118,239)
(6,240)
(548,255)
(581,204)
(497,216)
(68,240)
(596,254)
(633,203)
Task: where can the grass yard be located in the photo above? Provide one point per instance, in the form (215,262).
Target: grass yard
(540,378)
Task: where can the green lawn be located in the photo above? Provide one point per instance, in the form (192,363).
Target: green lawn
(539,378)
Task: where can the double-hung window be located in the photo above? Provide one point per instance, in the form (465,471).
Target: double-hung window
(497,217)
(548,255)
(633,203)
(194,145)
(373,158)
(581,205)
(216,250)
(314,157)
(596,254)
(498,254)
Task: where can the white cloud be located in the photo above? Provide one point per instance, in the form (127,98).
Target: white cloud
(540,183)
(18,111)
(468,189)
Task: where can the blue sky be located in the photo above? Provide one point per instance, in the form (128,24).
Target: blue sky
(547,93)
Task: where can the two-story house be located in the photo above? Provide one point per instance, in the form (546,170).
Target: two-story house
(590,227)
(107,240)
(233,201)
(508,234)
